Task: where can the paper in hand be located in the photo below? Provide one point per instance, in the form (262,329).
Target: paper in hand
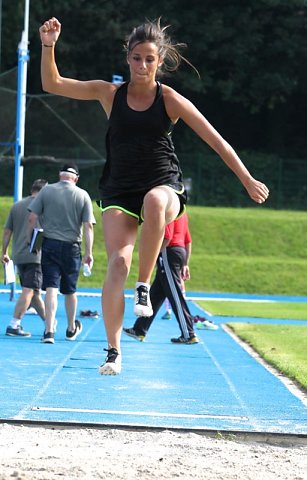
(9,272)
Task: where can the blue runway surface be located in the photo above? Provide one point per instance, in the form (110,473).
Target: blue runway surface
(213,385)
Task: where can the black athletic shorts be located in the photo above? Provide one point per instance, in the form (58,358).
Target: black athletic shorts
(132,203)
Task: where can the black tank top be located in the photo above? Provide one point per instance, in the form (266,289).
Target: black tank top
(140,150)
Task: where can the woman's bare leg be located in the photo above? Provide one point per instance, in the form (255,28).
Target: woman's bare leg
(161,206)
(120,233)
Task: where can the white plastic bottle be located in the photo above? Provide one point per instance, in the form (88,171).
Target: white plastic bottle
(87,272)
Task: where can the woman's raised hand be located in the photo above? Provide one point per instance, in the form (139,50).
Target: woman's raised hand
(50,31)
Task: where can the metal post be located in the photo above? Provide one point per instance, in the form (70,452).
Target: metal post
(23,57)
(0,33)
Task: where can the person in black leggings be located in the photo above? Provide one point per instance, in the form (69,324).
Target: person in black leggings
(172,267)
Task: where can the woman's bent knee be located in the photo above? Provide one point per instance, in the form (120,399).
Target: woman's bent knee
(119,266)
(162,201)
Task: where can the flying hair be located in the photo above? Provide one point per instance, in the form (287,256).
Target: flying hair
(151,31)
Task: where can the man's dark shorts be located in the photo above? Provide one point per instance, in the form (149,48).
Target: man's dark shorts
(61,263)
(30,275)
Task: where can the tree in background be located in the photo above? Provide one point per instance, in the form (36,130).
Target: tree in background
(251,57)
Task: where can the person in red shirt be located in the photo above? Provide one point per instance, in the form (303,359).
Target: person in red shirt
(172,267)
(185,274)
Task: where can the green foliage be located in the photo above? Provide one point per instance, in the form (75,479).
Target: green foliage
(249,55)
(245,52)
(283,346)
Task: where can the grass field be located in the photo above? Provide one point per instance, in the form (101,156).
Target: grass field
(281,310)
(253,250)
(282,346)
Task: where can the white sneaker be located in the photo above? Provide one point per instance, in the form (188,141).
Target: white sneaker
(142,303)
(206,325)
(31,311)
(112,365)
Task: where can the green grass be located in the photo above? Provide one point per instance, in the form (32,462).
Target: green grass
(251,250)
(282,346)
(281,310)
(252,232)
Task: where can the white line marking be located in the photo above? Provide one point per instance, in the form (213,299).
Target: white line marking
(188,297)
(231,387)
(228,299)
(224,299)
(144,414)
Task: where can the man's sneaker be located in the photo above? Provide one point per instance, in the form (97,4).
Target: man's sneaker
(206,325)
(167,316)
(142,304)
(89,313)
(17,332)
(73,335)
(187,341)
(132,333)
(48,337)
(112,365)
(203,323)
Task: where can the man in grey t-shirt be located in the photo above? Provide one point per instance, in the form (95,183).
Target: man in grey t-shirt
(28,264)
(67,213)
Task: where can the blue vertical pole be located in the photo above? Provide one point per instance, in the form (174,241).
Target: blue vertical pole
(23,57)
(20,122)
